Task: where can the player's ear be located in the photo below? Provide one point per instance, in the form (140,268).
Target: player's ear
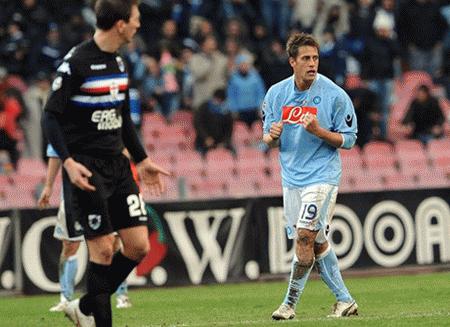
(120,26)
(292,61)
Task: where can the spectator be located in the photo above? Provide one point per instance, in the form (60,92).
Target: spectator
(245,91)
(147,71)
(14,49)
(378,65)
(276,15)
(304,14)
(365,104)
(51,51)
(421,30)
(213,124)
(209,71)
(233,48)
(332,58)
(35,99)
(188,49)
(334,16)
(424,116)
(10,110)
(170,98)
(274,64)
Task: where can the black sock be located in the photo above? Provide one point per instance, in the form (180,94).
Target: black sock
(119,270)
(102,310)
(97,283)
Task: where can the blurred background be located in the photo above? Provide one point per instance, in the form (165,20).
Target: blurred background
(199,71)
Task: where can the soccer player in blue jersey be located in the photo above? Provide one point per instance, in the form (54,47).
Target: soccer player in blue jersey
(68,262)
(309,118)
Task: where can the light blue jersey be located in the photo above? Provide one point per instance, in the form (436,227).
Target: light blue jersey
(51,153)
(306,159)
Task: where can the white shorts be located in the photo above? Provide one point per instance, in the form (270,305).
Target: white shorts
(310,207)
(60,231)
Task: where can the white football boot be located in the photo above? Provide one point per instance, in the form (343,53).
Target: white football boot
(284,312)
(75,315)
(343,309)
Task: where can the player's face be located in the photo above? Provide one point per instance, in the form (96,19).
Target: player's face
(306,64)
(130,28)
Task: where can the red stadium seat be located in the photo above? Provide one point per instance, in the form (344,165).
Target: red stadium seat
(31,167)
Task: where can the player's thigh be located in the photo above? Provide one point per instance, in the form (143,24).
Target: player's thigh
(317,206)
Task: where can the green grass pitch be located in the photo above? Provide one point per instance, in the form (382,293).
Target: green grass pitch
(410,300)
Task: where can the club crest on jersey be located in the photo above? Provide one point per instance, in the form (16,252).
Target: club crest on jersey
(94,221)
(114,90)
(296,114)
(120,64)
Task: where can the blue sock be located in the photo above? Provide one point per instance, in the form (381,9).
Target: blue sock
(67,273)
(122,289)
(331,275)
(296,284)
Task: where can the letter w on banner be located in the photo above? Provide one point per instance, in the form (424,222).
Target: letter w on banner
(206,232)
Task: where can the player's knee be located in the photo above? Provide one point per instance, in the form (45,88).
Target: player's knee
(137,251)
(106,254)
(320,248)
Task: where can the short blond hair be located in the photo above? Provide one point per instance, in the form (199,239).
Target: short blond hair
(298,40)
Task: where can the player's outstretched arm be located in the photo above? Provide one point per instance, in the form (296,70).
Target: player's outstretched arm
(52,171)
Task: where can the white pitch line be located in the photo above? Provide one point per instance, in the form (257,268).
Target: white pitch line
(258,322)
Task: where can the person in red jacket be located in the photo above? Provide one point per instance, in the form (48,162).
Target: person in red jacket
(10,110)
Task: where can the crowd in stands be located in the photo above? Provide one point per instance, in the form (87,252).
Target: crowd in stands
(216,59)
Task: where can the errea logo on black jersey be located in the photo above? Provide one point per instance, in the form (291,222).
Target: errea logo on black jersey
(106,119)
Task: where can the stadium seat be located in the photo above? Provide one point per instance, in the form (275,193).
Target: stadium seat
(411,157)
(242,135)
(379,156)
(351,159)
(31,167)
(433,178)
(399,182)
(438,151)
(221,157)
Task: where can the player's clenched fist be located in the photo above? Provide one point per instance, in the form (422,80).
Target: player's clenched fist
(275,130)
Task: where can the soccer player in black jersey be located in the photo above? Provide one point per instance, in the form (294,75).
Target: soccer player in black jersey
(87,120)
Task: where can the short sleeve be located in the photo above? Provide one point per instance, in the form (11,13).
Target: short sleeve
(51,153)
(267,111)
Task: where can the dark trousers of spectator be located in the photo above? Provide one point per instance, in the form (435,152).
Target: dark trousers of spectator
(10,145)
(249,116)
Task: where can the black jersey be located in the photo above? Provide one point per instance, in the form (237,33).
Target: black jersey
(90,94)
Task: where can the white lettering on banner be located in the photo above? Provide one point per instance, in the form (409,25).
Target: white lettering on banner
(280,257)
(5,222)
(402,243)
(429,234)
(206,233)
(352,242)
(31,256)
(384,216)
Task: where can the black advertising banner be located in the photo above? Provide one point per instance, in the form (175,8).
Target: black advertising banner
(7,261)
(221,241)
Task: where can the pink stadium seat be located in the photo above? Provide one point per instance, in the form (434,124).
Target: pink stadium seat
(241,134)
(439,153)
(153,119)
(239,189)
(220,157)
(182,116)
(433,178)
(206,189)
(269,187)
(250,154)
(31,167)
(400,182)
(379,156)
(351,159)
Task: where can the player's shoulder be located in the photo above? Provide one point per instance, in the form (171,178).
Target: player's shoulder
(331,87)
(79,52)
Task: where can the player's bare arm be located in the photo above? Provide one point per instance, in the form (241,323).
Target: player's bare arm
(273,138)
(53,167)
(312,125)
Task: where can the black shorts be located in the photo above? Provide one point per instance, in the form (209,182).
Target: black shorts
(115,204)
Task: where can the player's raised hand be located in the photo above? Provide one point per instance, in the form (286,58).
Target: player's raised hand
(78,174)
(275,130)
(150,173)
(44,198)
